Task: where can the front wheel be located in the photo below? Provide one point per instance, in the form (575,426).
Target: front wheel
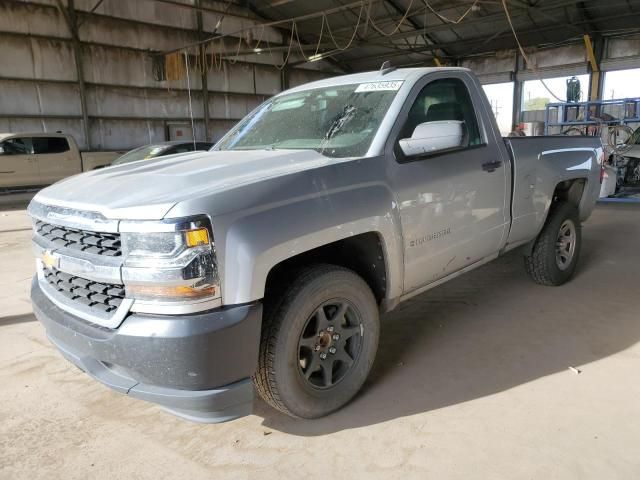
(555,253)
(318,342)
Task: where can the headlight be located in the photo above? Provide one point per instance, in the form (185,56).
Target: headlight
(169,262)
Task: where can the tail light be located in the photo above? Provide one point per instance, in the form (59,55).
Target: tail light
(601,174)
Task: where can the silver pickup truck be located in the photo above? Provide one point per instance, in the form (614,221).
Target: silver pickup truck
(264,264)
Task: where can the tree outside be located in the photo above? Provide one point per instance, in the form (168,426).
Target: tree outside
(537,103)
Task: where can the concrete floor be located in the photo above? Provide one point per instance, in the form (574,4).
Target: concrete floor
(472,381)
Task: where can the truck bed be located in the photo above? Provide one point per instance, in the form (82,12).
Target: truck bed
(535,169)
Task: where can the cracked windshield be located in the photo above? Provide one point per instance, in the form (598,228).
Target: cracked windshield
(338,121)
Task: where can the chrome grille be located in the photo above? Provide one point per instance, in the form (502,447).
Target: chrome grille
(83,240)
(103,297)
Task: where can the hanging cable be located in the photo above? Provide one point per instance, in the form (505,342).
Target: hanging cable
(295,30)
(286,59)
(524,55)
(193,129)
(320,36)
(448,20)
(365,5)
(223,14)
(219,56)
(257,47)
(274,23)
(382,32)
(235,57)
(353,36)
(295,34)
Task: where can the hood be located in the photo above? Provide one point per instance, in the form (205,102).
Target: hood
(147,190)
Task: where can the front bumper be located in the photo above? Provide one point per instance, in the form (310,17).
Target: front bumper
(196,366)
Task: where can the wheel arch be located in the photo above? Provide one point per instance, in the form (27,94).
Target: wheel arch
(363,253)
(364,222)
(572,191)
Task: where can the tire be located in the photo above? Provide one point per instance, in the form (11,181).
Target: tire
(291,375)
(554,255)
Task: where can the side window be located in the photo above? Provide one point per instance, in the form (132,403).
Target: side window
(178,149)
(447,102)
(203,146)
(44,145)
(17,146)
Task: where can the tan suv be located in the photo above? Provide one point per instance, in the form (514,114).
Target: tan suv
(31,160)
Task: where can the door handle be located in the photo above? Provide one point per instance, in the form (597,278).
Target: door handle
(491,166)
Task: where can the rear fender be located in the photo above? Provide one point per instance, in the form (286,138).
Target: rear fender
(538,181)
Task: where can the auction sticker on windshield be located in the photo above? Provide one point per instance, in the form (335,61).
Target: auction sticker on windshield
(377,86)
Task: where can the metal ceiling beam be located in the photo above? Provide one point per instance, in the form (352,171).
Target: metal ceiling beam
(200,8)
(451,27)
(379,41)
(93,9)
(414,12)
(500,16)
(536,9)
(539,11)
(473,41)
(397,36)
(286,31)
(415,24)
(487,18)
(276,23)
(591,28)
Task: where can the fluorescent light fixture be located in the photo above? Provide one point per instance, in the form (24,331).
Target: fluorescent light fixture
(315,58)
(257,50)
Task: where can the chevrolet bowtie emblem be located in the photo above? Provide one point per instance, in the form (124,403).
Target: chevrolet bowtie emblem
(50,260)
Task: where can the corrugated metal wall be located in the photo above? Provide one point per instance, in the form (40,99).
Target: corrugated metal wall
(126,105)
(619,52)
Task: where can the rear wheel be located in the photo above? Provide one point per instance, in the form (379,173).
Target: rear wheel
(555,253)
(318,342)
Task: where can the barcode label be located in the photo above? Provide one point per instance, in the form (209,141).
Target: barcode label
(378,86)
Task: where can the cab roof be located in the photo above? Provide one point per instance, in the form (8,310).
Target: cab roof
(388,75)
(4,136)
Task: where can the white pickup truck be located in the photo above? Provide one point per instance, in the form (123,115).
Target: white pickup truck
(32,160)
(189,280)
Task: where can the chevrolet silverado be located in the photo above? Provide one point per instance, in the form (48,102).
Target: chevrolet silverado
(264,264)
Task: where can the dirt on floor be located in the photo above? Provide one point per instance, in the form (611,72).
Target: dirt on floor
(475,379)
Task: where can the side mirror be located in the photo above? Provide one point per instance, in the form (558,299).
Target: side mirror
(431,137)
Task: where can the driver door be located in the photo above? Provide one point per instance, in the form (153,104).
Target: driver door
(55,158)
(452,207)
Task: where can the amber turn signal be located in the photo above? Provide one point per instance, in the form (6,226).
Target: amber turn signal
(198,237)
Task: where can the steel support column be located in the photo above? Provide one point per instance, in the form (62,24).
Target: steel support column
(594,53)
(71,18)
(517,93)
(203,74)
